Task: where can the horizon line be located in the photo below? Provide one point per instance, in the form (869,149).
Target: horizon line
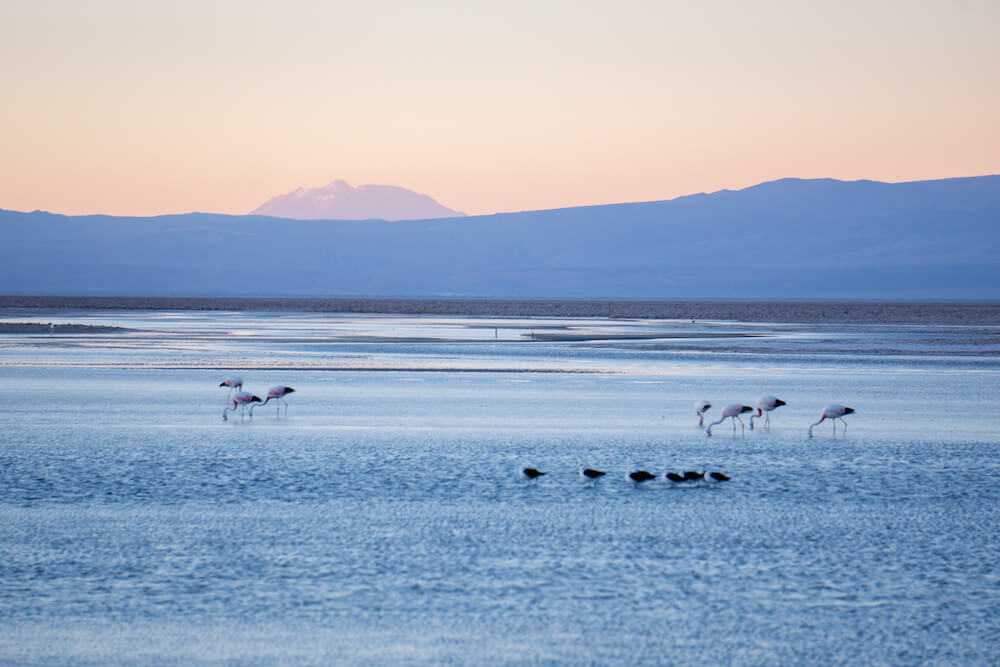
(510,212)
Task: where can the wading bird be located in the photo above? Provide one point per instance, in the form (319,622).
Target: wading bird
(700,408)
(639,476)
(234,383)
(277,393)
(714,477)
(733,410)
(833,413)
(764,405)
(531,474)
(591,475)
(674,478)
(241,399)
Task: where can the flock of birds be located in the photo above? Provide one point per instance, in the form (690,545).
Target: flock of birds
(637,477)
(241,399)
(764,407)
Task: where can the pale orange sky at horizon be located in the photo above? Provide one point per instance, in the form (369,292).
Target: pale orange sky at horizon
(149,108)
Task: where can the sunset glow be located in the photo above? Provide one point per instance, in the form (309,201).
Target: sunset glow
(150,108)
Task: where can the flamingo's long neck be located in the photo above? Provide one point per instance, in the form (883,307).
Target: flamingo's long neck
(254,405)
(721,419)
(816,424)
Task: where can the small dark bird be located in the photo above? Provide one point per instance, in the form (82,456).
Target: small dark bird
(531,473)
(675,478)
(589,474)
(712,477)
(692,476)
(640,476)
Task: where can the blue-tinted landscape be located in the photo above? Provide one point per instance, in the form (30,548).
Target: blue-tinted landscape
(384,518)
(787,239)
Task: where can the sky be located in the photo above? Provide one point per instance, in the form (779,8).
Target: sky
(146,108)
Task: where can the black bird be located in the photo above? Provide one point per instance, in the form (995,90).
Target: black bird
(640,476)
(590,475)
(531,473)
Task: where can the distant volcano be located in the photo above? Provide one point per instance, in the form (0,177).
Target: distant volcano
(340,201)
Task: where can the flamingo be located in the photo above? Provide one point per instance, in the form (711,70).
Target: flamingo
(277,392)
(733,410)
(241,399)
(833,412)
(591,475)
(700,408)
(235,382)
(766,404)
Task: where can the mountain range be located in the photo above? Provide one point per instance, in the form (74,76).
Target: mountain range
(783,239)
(340,201)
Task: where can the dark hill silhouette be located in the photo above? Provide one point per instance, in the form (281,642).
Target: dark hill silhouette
(784,239)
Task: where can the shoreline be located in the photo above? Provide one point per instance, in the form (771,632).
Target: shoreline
(49,328)
(820,311)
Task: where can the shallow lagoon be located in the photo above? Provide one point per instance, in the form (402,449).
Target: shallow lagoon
(383,519)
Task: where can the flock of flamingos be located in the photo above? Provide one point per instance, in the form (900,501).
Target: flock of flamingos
(765,405)
(241,399)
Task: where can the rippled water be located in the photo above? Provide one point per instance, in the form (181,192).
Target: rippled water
(383,520)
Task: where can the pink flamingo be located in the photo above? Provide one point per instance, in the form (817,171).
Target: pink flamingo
(277,392)
(241,399)
(733,410)
(833,412)
(766,404)
(700,408)
(235,382)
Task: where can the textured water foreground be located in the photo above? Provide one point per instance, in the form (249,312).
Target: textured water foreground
(383,519)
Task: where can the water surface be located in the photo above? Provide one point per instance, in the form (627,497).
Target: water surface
(383,519)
